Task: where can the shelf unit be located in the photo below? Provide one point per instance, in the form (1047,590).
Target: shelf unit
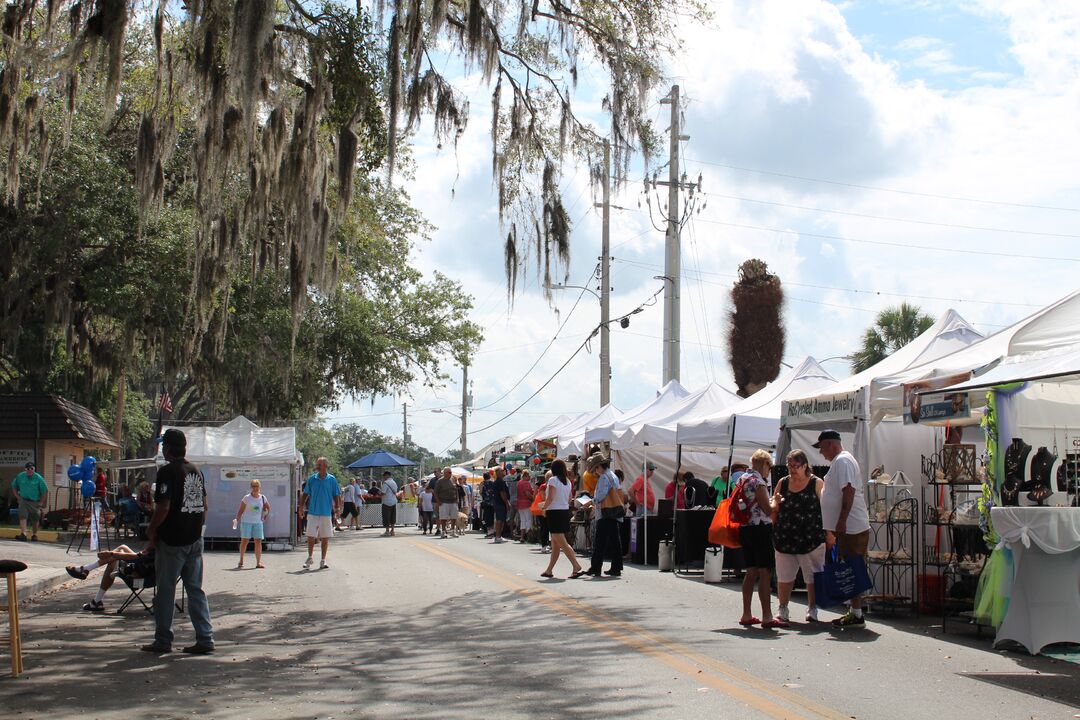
(891,557)
(952,554)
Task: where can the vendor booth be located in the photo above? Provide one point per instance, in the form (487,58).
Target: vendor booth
(1030,505)
(230,457)
(371,510)
(571,438)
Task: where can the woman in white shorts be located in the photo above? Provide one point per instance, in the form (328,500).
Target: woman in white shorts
(254,509)
(797,533)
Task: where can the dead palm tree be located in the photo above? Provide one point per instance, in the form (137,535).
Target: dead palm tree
(756,333)
(893,328)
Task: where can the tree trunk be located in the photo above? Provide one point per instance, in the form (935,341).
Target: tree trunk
(118,421)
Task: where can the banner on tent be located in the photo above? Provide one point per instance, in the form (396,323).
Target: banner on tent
(936,408)
(821,410)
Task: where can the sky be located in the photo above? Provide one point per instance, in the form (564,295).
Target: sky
(869,152)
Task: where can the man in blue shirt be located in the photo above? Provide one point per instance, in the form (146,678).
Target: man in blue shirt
(609,506)
(322,499)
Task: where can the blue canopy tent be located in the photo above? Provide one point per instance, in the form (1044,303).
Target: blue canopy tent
(379,459)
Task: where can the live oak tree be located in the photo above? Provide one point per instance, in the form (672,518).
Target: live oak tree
(283,105)
(756,334)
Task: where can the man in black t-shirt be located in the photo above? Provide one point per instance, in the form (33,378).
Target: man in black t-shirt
(176,532)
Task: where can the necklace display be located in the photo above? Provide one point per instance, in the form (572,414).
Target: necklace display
(1016,456)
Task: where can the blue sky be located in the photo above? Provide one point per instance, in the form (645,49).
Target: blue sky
(869,152)
(948,45)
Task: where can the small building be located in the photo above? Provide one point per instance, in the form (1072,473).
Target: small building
(51,432)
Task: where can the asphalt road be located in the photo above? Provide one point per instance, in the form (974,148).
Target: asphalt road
(414,627)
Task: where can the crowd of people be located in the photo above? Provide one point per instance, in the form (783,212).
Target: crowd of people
(783,529)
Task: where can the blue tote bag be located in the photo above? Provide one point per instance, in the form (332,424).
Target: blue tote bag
(841,580)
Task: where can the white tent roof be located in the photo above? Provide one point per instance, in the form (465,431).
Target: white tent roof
(756,420)
(241,441)
(1055,326)
(659,428)
(1059,364)
(666,397)
(481,458)
(544,432)
(553,430)
(572,436)
(949,334)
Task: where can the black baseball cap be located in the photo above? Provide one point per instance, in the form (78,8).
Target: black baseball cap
(825,435)
(29,465)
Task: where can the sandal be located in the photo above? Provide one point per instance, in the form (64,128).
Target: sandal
(579,573)
(546,575)
(260,566)
(239,566)
(749,623)
(775,623)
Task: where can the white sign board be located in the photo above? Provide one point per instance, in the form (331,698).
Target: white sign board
(10,457)
(820,410)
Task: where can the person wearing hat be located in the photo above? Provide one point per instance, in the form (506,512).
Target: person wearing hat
(30,491)
(592,474)
(843,512)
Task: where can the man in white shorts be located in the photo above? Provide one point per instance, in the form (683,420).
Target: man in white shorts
(446,496)
(321,501)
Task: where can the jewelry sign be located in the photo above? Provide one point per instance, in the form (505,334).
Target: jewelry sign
(821,410)
(922,406)
(11,457)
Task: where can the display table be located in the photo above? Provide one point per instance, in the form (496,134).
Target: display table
(691,535)
(1044,607)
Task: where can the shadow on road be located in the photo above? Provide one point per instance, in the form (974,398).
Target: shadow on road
(444,661)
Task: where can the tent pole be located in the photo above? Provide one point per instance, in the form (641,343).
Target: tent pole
(645,500)
(731,451)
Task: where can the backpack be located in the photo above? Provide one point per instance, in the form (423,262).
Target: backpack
(740,509)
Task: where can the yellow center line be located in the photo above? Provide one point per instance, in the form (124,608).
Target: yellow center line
(730,680)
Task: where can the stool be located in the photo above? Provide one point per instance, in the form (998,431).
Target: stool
(8,568)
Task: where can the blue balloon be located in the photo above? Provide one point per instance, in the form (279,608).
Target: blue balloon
(88,464)
(75,473)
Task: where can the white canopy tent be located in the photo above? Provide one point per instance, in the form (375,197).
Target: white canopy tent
(571,438)
(845,406)
(551,429)
(1054,328)
(658,428)
(666,398)
(754,422)
(230,457)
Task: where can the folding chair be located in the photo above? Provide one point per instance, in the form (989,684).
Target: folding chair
(136,586)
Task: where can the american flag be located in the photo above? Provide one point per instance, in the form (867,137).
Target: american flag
(165,403)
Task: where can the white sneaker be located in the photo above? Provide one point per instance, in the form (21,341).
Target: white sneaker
(783,613)
(811,615)
(497,541)
(323,565)
(307,563)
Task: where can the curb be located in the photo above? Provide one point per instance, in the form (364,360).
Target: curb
(31,589)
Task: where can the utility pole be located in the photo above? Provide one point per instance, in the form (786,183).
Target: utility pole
(673,246)
(605,288)
(405,427)
(466,403)
(672,249)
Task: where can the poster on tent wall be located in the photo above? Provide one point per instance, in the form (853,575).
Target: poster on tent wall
(822,410)
(226,486)
(936,408)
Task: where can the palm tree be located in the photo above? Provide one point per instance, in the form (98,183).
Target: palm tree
(756,332)
(893,328)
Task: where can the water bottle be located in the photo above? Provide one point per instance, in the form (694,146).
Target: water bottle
(234,523)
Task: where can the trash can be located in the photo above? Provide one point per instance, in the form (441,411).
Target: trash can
(714,564)
(667,555)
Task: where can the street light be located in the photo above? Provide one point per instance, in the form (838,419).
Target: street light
(445,412)
(605,340)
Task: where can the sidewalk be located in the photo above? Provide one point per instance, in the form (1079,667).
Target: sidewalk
(45,566)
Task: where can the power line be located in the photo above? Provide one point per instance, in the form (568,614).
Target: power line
(649,266)
(886,243)
(868,216)
(651,300)
(876,188)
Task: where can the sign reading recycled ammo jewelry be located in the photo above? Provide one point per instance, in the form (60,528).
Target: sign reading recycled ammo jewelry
(15,457)
(811,411)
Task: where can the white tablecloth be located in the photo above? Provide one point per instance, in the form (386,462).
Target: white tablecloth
(1045,603)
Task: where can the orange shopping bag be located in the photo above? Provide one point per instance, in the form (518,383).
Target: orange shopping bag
(723,530)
